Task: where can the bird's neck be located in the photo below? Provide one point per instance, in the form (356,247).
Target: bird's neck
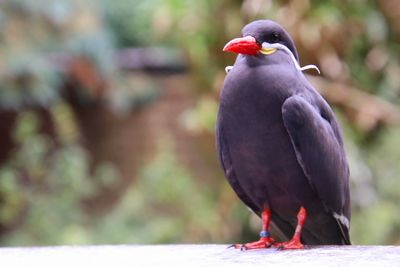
(279,57)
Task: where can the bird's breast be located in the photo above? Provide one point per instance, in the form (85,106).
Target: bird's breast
(263,158)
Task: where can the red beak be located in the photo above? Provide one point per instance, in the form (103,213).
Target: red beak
(244,45)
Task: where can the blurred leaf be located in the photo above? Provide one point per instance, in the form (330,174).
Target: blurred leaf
(202,117)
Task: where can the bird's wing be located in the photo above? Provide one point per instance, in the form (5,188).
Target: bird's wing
(226,163)
(318,145)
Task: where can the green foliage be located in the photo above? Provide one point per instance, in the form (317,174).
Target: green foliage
(11,198)
(130,20)
(160,209)
(202,117)
(34,36)
(165,206)
(45,187)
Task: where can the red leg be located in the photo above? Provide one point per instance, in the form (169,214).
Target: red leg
(265,240)
(295,243)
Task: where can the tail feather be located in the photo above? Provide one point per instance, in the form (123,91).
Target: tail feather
(321,229)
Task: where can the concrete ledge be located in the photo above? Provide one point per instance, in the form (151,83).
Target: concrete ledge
(197,255)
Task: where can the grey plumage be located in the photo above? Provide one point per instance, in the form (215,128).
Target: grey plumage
(279,142)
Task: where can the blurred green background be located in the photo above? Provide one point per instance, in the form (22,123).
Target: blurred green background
(107,113)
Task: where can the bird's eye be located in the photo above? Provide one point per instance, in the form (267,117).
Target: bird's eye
(275,37)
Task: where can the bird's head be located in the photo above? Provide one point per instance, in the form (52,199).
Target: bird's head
(262,37)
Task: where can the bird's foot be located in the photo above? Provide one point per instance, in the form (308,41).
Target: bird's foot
(264,242)
(291,244)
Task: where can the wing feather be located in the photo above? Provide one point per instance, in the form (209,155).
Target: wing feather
(318,145)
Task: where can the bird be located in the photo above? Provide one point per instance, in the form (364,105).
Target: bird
(280,145)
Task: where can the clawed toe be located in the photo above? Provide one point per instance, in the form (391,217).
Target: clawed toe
(236,246)
(292,244)
(262,243)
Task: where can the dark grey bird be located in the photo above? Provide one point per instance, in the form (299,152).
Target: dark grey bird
(279,143)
